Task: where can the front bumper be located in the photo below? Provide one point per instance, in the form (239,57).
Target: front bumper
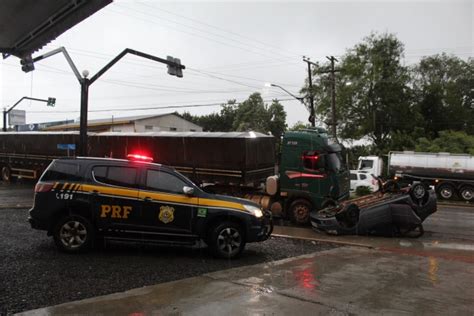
(261,229)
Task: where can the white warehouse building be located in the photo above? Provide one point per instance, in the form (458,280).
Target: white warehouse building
(144,123)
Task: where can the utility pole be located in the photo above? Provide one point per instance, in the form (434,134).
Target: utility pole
(312,116)
(333,71)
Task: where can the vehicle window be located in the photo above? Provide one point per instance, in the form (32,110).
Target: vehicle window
(313,160)
(363,176)
(119,176)
(353,176)
(163,181)
(60,171)
(366,164)
(335,162)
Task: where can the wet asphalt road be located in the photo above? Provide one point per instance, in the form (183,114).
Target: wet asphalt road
(34,274)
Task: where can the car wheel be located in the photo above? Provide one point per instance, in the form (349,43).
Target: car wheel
(299,212)
(467,193)
(6,174)
(419,193)
(227,240)
(73,234)
(446,191)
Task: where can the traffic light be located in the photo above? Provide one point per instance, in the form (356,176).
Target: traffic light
(27,64)
(51,102)
(174,69)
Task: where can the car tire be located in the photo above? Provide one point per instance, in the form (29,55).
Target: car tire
(299,211)
(419,193)
(226,240)
(73,234)
(446,191)
(467,193)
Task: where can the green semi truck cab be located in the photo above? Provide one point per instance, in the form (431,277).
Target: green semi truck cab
(312,173)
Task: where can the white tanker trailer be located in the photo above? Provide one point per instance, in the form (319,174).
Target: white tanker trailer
(450,174)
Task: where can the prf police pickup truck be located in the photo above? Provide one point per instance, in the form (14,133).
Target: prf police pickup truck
(81,200)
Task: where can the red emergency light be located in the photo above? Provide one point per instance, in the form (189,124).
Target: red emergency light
(139,157)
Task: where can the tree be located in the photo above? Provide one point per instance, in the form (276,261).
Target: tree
(448,141)
(298,126)
(251,115)
(277,119)
(373,94)
(442,86)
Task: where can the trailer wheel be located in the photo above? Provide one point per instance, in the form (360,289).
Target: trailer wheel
(446,191)
(467,193)
(299,211)
(6,174)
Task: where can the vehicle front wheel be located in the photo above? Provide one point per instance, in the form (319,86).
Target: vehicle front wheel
(73,234)
(446,191)
(226,240)
(467,193)
(299,212)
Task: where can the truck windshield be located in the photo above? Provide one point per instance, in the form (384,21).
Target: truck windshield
(335,162)
(366,164)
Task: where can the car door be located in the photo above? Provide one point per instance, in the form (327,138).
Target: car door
(115,197)
(166,209)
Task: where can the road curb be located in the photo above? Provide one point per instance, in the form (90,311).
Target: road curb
(471,206)
(338,242)
(14,207)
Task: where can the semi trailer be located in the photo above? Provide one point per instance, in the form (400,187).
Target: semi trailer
(307,174)
(450,174)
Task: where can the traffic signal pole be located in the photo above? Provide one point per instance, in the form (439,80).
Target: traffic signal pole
(174,68)
(49,101)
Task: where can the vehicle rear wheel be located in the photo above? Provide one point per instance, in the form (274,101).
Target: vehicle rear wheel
(73,234)
(446,191)
(299,212)
(6,174)
(467,193)
(226,240)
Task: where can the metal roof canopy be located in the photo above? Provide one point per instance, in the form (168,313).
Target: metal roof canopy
(26,26)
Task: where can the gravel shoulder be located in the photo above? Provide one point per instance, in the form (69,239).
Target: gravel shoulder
(34,274)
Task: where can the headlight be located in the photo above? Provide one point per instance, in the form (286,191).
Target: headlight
(254,210)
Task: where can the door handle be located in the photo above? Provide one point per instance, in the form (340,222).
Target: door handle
(147,199)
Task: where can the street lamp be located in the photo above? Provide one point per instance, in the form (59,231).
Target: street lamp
(301,99)
(174,68)
(49,102)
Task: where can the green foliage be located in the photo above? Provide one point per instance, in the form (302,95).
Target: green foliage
(443,93)
(363,190)
(251,115)
(298,126)
(448,141)
(392,105)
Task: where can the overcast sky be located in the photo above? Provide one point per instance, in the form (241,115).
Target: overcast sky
(230,49)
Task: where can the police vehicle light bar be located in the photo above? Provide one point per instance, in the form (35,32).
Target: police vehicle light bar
(138,157)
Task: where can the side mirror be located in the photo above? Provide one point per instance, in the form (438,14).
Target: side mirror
(188,190)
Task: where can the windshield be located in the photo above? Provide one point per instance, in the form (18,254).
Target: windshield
(336,162)
(366,164)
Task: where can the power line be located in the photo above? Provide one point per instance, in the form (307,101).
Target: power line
(221,29)
(157,107)
(246,49)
